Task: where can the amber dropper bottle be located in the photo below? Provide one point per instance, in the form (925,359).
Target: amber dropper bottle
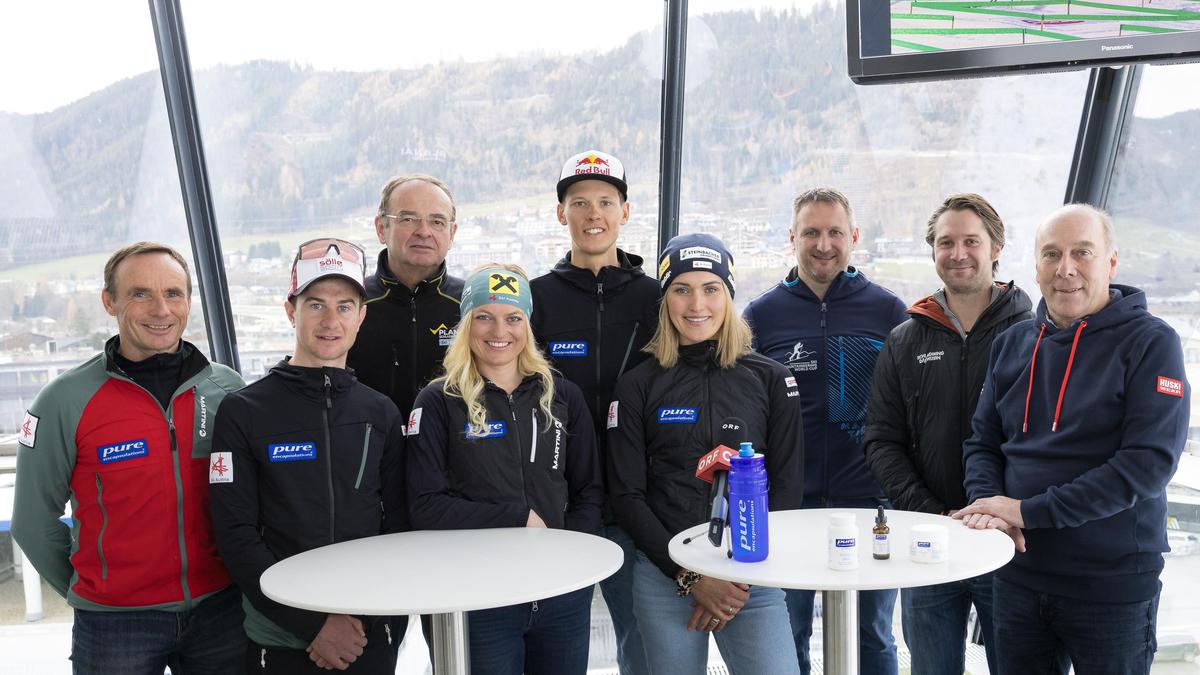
(881,547)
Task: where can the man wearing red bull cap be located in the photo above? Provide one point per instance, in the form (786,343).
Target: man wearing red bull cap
(597,309)
(304,457)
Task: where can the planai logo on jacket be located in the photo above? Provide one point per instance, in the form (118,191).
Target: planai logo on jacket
(493,430)
(292,452)
(676,415)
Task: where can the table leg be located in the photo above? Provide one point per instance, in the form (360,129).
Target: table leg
(451,655)
(840,620)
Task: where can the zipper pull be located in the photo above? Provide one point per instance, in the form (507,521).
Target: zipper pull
(262,658)
(600,294)
(412,303)
(328,393)
(823,308)
(387,628)
(395,357)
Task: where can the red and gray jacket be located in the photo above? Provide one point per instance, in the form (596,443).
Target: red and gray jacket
(137,478)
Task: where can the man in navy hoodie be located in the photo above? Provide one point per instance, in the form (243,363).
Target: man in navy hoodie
(1080,425)
(827,322)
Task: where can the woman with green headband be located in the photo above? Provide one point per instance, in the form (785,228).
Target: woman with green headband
(501,440)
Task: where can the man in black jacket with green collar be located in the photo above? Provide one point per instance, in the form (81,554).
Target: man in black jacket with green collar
(412,302)
(926,386)
(596,310)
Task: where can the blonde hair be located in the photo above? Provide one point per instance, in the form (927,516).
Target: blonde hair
(733,337)
(463,380)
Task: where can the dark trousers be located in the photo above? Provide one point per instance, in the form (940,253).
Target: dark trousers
(1040,633)
(378,657)
(207,640)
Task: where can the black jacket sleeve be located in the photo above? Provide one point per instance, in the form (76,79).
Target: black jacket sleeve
(887,440)
(236,527)
(785,442)
(628,468)
(432,504)
(392,470)
(584,485)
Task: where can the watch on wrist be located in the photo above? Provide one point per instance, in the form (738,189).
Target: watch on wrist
(684,580)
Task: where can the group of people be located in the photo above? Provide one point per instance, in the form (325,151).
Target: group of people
(582,399)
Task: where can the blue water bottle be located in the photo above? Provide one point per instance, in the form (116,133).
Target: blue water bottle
(748,504)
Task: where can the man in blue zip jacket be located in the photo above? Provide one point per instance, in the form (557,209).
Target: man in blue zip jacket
(1080,425)
(827,322)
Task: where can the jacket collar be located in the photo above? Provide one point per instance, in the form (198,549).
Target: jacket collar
(390,282)
(629,268)
(1009,302)
(847,283)
(311,381)
(193,360)
(1124,304)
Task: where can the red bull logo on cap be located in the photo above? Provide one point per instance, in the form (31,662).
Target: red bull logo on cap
(593,164)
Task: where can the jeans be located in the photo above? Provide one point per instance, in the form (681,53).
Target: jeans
(207,640)
(1044,633)
(876,644)
(755,642)
(618,595)
(935,624)
(546,637)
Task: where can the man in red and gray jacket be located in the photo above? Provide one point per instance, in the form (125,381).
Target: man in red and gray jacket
(126,437)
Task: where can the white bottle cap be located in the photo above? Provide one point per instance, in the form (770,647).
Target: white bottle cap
(841,519)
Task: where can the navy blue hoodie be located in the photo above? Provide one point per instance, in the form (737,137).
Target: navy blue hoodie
(830,346)
(1088,443)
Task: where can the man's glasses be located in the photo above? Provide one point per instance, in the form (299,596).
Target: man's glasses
(411,222)
(315,249)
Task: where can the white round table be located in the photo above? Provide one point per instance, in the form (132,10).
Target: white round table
(798,558)
(441,572)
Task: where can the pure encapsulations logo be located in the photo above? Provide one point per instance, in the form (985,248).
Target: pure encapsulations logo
(676,415)
(568,349)
(491,430)
(122,451)
(843,543)
(292,452)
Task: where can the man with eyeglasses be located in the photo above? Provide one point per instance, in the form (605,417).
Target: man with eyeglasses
(412,302)
(304,457)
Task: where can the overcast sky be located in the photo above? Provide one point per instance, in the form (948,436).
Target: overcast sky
(53,53)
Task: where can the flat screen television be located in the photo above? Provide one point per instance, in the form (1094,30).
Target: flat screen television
(910,40)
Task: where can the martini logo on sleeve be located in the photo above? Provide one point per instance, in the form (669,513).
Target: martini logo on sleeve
(121,451)
(568,349)
(1170,386)
(220,467)
(490,430)
(292,452)
(28,434)
(676,415)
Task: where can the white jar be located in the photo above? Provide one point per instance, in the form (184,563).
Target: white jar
(843,541)
(928,544)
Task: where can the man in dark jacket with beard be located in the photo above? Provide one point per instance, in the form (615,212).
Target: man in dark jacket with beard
(596,310)
(924,392)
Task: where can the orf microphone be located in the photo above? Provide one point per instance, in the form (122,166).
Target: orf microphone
(714,468)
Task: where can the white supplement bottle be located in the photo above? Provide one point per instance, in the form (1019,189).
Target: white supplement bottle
(843,541)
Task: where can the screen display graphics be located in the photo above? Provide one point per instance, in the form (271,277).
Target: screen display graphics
(977,36)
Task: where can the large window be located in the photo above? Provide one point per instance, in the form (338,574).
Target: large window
(770,112)
(86,166)
(1154,198)
(307,117)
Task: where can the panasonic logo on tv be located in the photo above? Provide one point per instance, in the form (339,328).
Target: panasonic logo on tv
(568,349)
(292,452)
(1115,48)
(123,450)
